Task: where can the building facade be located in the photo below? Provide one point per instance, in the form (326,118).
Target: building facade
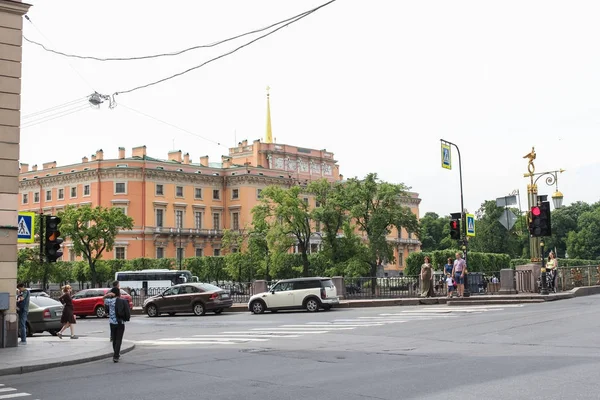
(181,207)
(11,31)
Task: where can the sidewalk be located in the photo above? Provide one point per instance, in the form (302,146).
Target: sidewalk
(43,352)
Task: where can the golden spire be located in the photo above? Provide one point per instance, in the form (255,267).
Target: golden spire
(269,135)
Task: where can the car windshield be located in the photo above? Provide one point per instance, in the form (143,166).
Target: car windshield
(45,302)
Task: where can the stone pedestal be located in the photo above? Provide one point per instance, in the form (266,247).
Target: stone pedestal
(338,281)
(528,282)
(507,282)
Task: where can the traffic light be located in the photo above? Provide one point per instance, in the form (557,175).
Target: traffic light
(540,224)
(455,229)
(52,239)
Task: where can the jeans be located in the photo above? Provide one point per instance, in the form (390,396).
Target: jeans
(23,325)
(116,332)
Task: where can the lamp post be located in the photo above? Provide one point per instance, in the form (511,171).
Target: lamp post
(535,248)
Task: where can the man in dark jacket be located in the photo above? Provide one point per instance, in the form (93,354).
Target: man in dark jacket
(23,306)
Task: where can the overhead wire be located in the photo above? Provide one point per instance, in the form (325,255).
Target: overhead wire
(175,53)
(172,125)
(55,116)
(295,19)
(70,65)
(55,108)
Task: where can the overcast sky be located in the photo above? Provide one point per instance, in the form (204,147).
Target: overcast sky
(378,83)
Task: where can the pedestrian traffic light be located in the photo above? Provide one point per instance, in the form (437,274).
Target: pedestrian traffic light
(52,239)
(540,224)
(455,229)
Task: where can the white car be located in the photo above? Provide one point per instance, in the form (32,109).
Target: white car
(311,294)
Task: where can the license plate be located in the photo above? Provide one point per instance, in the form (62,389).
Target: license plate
(224,296)
(59,313)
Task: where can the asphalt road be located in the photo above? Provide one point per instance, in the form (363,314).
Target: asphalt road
(534,351)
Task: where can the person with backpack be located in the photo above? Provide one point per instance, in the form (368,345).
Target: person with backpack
(118,314)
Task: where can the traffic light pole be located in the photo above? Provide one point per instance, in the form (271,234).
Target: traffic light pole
(466,292)
(42,236)
(544,290)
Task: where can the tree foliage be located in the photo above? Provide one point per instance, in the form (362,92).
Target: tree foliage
(92,231)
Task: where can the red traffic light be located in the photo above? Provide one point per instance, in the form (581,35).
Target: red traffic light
(535,211)
(454,224)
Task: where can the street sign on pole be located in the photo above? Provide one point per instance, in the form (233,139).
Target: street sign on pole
(446,156)
(506,201)
(470,225)
(25,227)
(508,219)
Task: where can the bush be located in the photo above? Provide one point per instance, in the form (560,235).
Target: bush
(562,262)
(476,262)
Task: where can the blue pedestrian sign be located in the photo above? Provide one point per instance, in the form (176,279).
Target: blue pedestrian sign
(470,225)
(25,227)
(446,156)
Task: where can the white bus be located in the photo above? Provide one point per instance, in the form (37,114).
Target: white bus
(148,279)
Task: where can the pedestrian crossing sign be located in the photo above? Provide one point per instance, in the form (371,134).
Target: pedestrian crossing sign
(25,227)
(470,225)
(446,156)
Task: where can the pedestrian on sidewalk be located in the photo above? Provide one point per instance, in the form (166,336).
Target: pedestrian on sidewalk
(426,278)
(114,305)
(23,310)
(458,271)
(68,316)
(110,294)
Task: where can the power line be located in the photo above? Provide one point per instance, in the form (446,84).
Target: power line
(70,65)
(175,53)
(55,116)
(54,108)
(171,125)
(295,19)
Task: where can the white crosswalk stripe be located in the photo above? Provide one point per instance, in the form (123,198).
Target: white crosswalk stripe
(342,325)
(11,393)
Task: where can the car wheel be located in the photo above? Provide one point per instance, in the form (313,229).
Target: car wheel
(257,307)
(53,332)
(171,314)
(151,310)
(100,312)
(218,311)
(198,309)
(28,332)
(312,305)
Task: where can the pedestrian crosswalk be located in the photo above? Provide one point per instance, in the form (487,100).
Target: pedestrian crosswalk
(341,325)
(7,392)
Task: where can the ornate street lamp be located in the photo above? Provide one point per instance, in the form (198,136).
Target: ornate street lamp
(557,199)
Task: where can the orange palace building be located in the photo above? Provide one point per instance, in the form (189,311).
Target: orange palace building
(180,208)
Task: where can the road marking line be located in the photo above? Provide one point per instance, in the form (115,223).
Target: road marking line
(12,396)
(241,335)
(300,328)
(296,331)
(265,334)
(312,324)
(214,339)
(187,343)
(8,389)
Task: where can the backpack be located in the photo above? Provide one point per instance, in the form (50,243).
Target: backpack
(122,310)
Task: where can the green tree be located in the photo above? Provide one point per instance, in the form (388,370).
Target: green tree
(565,220)
(492,236)
(331,213)
(376,208)
(435,232)
(585,242)
(289,219)
(92,231)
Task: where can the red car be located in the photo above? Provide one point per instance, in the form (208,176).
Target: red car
(91,302)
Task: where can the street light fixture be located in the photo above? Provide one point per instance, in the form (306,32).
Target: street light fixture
(533,198)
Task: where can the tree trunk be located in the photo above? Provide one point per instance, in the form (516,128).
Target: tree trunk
(93,272)
(305,264)
(373,278)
